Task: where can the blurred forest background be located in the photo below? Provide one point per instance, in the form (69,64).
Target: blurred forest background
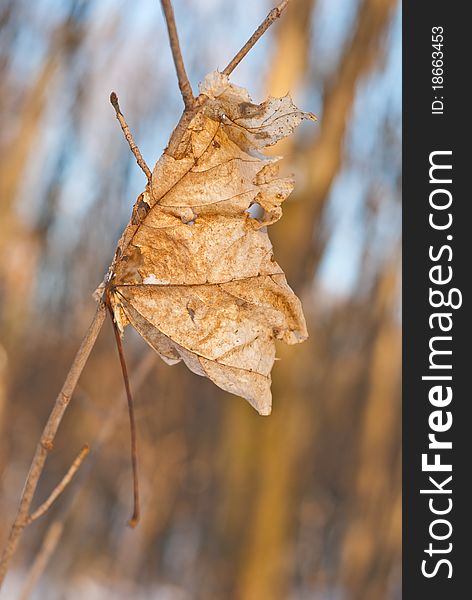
(304,504)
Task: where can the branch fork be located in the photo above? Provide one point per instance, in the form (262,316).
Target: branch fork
(46,442)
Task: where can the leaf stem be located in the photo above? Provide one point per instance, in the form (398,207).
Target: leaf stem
(132,422)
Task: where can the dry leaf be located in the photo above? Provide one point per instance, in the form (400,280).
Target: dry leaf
(194,272)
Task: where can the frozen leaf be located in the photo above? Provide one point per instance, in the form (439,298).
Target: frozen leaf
(194,272)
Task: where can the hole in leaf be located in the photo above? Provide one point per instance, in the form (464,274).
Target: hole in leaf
(255,211)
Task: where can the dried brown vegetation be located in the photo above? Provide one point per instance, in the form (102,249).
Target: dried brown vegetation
(194,273)
(234,506)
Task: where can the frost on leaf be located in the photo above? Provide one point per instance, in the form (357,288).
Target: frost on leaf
(196,275)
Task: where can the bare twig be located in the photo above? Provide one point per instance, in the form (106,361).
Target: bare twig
(263,27)
(56,528)
(61,486)
(195,104)
(129,137)
(47,439)
(184,83)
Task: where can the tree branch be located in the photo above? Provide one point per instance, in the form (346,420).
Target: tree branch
(48,435)
(61,486)
(263,27)
(195,104)
(129,137)
(184,83)
(56,528)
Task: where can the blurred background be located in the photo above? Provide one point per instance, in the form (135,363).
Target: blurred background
(303,505)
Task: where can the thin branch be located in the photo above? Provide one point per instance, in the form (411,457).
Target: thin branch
(182,125)
(132,423)
(263,27)
(184,83)
(56,528)
(48,435)
(129,137)
(61,486)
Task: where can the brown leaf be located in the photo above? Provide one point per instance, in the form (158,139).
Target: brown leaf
(195,273)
